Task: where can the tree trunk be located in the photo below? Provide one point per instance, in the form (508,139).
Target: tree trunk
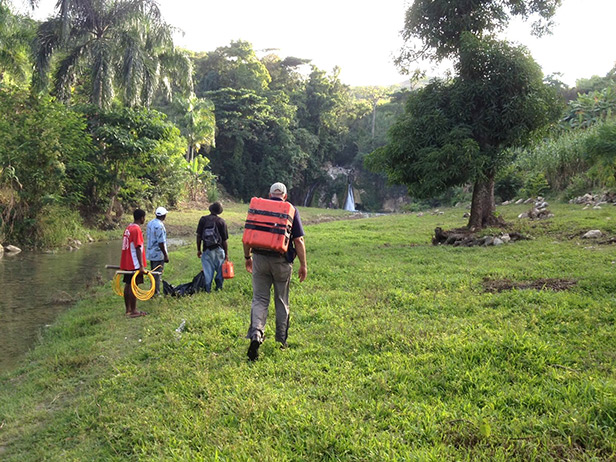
(483,205)
(373,120)
(112,204)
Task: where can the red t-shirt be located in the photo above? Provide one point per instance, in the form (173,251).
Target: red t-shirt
(133,238)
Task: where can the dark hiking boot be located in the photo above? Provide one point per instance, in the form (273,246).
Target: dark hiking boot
(253,350)
(284,346)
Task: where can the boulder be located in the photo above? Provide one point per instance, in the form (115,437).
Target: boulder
(505,238)
(12,249)
(497,241)
(592,234)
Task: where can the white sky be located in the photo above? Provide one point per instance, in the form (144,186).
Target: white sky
(362,37)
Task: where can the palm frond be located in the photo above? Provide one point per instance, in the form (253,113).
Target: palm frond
(46,42)
(66,72)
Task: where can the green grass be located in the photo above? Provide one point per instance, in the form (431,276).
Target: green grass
(396,353)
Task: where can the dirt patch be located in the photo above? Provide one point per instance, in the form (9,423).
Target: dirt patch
(499,285)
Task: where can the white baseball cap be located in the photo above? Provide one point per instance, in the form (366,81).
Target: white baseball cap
(160,211)
(278,189)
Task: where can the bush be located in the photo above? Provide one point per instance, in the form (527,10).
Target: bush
(508,183)
(535,185)
(53,227)
(578,186)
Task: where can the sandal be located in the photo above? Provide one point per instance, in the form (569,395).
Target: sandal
(136,314)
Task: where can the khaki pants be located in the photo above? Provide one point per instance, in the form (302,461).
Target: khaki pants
(268,270)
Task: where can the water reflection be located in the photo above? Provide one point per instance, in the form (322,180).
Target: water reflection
(36,287)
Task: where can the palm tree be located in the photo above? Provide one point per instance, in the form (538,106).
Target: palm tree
(113,45)
(16,33)
(197,123)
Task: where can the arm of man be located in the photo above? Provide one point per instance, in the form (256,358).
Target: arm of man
(300,248)
(163,249)
(224,234)
(198,246)
(225,247)
(248,257)
(199,231)
(139,252)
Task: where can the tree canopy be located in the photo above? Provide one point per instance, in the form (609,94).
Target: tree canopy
(440,24)
(113,45)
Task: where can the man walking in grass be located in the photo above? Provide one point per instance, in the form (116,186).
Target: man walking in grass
(133,259)
(213,235)
(156,245)
(271,268)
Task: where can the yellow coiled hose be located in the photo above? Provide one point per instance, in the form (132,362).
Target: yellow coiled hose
(139,293)
(116,283)
(143,294)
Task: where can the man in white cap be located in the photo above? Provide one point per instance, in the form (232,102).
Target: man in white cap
(271,268)
(156,245)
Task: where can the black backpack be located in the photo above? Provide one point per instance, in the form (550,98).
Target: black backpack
(211,236)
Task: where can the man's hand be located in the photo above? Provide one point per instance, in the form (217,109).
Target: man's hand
(166,258)
(198,254)
(249,265)
(302,273)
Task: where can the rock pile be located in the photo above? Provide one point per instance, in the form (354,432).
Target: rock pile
(596,200)
(463,238)
(539,210)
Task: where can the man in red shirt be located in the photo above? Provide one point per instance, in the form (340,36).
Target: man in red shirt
(133,258)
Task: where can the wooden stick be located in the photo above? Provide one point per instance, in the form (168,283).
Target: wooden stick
(133,272)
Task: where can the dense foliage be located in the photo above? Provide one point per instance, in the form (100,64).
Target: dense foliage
(45,158)
(569,158)
(138,157)
(249,122)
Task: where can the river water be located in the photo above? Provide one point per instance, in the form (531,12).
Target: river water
(36,287)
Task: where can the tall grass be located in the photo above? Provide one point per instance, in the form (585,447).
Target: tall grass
(396,353)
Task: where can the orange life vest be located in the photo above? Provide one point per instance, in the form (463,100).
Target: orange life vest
(268,224)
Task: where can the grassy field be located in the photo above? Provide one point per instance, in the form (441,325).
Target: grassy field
(397,352)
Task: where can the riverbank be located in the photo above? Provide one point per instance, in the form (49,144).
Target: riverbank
(38,286)
(398,350)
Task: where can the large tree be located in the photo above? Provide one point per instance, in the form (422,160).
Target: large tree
(457,131)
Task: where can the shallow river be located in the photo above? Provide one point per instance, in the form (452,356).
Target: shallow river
(36,287)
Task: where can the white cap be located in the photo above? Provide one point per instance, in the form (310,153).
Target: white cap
(160,211)
(278,189)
